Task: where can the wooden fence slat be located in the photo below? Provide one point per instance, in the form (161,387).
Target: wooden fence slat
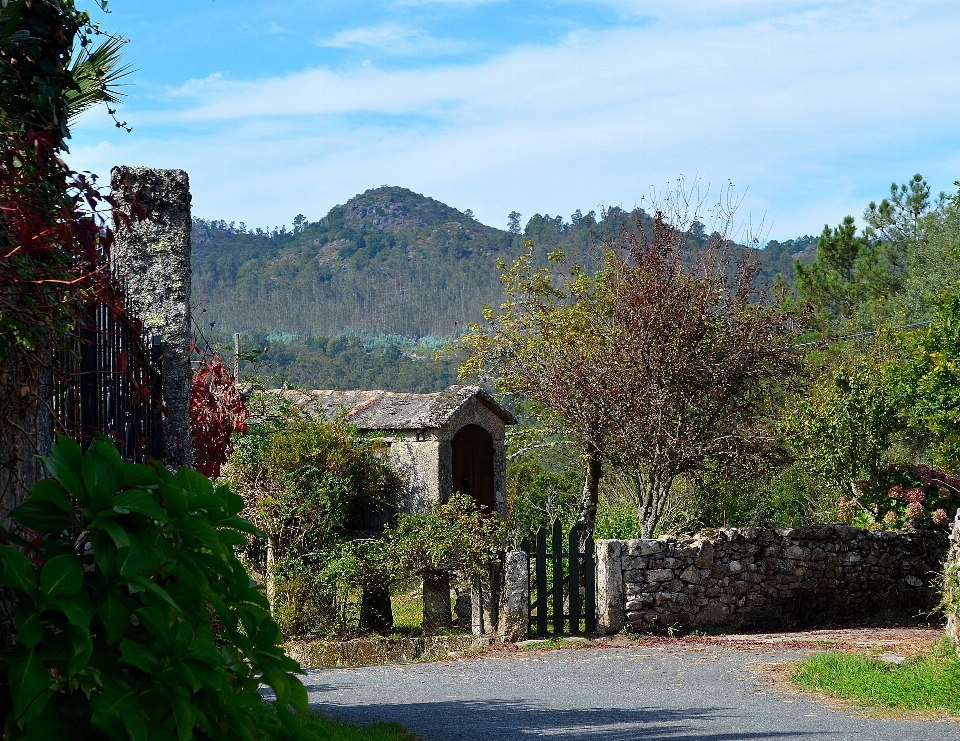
(541,582)
(573,540)
(590,585)
(557,554)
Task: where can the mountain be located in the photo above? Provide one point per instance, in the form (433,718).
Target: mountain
(388,261)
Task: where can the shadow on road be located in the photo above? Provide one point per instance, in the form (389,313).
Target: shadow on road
(500,719)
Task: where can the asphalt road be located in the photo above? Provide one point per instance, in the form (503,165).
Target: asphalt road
(648,694)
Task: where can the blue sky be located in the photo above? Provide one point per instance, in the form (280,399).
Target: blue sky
(811,109)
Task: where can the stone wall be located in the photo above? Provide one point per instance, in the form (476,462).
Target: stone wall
(767,579)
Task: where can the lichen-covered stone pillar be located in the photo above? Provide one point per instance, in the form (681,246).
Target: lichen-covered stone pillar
(485,600)
(610,595)
(515,607)
(951,584)
(152,258)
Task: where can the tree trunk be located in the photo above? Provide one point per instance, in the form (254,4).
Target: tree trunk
(25,381)
(269,576)
(653,499)
(25,433)
(591,493)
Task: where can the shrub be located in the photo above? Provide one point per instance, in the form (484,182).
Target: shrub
(455,536)
(301,479)
(135,620)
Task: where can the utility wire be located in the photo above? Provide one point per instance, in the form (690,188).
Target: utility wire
(863,334)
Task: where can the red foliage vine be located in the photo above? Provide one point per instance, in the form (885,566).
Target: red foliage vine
(217,410)
(54,242)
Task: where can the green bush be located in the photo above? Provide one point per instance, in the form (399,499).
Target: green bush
(455,536)
(135,620)
(301,480)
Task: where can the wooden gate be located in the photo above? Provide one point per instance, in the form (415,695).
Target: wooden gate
(562,583)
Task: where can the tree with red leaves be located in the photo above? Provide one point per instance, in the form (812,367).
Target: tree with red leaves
(217,410)
(663,363)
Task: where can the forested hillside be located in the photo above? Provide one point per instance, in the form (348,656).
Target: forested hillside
(363,297)
(388,261)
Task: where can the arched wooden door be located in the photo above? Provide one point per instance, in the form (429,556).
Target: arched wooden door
(473,465)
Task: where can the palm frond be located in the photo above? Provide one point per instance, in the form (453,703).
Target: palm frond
(97,73)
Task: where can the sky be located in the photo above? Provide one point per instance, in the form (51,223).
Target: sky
(809,109)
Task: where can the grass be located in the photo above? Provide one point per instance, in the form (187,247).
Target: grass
(926,683)
(407,613)
(375,732)
(553,643)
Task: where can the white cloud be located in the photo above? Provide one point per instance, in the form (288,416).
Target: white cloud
(392,38)
(815,107)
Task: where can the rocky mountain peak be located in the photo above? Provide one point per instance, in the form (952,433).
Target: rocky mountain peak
(392,207)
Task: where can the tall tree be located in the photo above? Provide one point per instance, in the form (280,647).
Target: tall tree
(661,364)
(848,280)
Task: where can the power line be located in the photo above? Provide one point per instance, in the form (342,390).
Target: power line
(874,333)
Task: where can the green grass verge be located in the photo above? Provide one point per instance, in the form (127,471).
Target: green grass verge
(553,643)
(374,732)
(927,683)
(331,730)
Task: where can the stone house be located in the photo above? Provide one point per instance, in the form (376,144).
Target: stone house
(448,441)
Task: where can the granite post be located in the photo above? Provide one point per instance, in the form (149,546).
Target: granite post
(610,614)
(514,610)
(485,600)
(436,601)
(152,259)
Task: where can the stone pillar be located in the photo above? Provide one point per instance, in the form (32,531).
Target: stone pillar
(376,611)
(610,595)
(515,605)
(951,584)
(436,601)
(485,600)
(152,258)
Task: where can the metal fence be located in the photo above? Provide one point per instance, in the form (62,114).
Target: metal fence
(107,378)
(562,583)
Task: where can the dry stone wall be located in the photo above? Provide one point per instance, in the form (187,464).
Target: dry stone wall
(752,578)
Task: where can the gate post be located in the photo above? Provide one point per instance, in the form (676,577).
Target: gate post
(485,599)
(436,600)
(610,594)
(152,259)
(515,611)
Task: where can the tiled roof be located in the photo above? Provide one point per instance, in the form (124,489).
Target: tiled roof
(386,410)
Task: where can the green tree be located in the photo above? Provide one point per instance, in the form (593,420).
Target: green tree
(930,382)
(846,285)
(843,425)
(659,364)
(933,261)
(97,72)
(900,220)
